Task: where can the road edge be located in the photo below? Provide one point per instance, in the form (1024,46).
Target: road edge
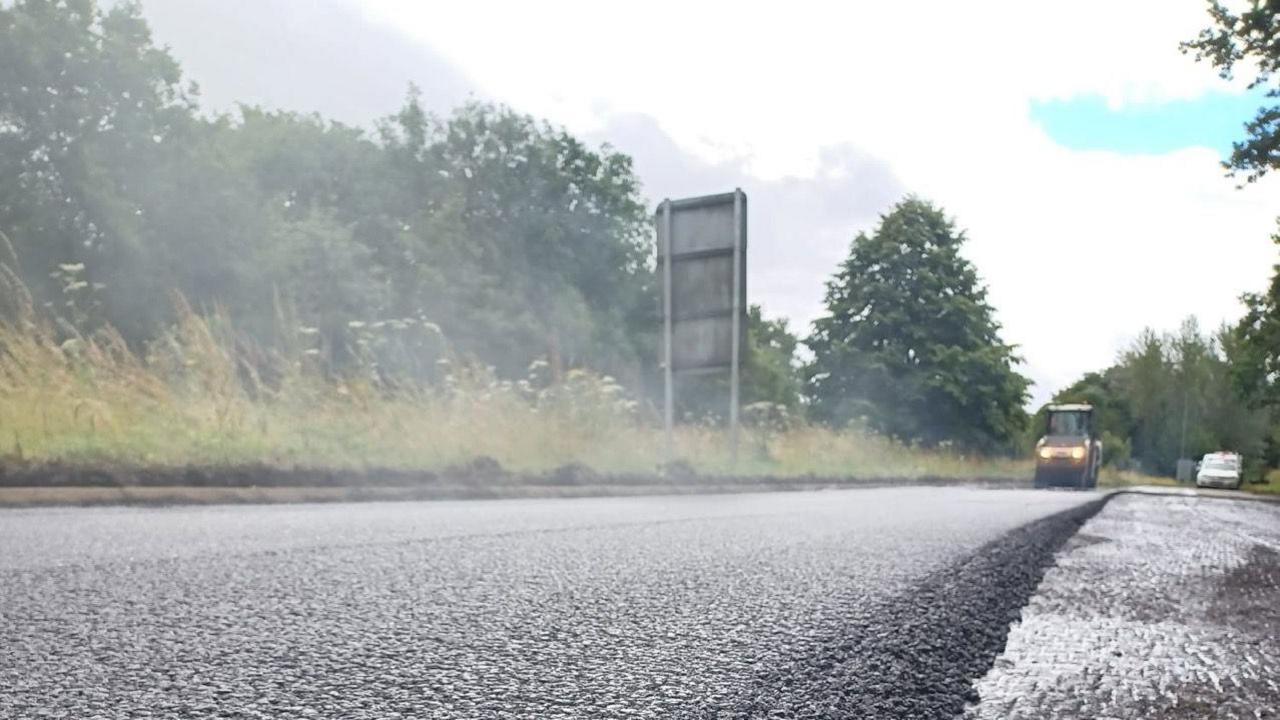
(1210,493)
(166,495)
(952,626)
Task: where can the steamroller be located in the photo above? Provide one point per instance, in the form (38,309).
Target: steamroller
(1069,454)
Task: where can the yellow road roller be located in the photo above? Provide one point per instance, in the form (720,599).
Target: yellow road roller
(1070,452)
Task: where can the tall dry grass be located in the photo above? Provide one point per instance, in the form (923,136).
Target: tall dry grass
(192,400)
(199,395)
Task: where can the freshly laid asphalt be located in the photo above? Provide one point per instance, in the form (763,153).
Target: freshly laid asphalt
(858,603)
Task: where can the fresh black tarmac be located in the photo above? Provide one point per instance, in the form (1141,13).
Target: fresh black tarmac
(848,603)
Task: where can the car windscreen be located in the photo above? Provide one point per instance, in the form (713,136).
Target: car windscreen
(1068,423)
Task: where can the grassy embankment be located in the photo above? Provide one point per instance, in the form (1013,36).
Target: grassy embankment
(1270,487)
(1111,478)
(195,399)
(1122,479)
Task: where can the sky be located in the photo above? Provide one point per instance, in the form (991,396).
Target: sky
(1075,145)
(1088,123)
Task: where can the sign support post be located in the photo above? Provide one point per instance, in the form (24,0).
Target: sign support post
(669,411)
(735,371)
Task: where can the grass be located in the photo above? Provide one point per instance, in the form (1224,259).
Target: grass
(1270,485)
(1110,478)
(195,398)
(1120,479)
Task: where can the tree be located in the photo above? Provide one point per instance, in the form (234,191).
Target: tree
(909,343)
(1105,391)
(1255,344)
(770,375)
(87,105)
(1170,395)
(1249,39)
(1148,376)
(507,237)
(1252,348)
(547,249)
(1238,422)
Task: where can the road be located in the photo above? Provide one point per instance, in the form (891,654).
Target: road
(856,603)
(1161,608)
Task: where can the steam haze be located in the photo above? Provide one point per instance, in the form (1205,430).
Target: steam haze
(319,57)
(824,125)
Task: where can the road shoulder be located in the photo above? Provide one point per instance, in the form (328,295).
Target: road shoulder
(1160,607)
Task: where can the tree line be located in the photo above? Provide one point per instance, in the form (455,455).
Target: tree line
(491,237)
(1181,394)
(1172,395)
(484,235)
(509,236)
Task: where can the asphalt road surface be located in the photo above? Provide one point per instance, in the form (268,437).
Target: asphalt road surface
(860,603)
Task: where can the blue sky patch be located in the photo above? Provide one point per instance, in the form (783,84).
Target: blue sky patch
(1214,120)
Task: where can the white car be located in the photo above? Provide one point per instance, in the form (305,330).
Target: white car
(1219,470)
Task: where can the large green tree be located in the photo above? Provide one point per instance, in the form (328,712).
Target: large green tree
(559,236)
(88,106)
(909,343)
(1249,40)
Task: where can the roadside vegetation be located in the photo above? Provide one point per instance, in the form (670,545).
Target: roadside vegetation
(180,287)
(201,396)
(1189,392)
(1112,478)
(1172,395)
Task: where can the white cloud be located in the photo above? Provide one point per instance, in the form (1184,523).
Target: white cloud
(328,60)
(799,227)
(827,112)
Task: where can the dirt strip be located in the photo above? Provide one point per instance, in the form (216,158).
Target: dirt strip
(206,495)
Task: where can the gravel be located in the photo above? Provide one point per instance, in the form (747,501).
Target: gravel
(1161,608)
(860,603)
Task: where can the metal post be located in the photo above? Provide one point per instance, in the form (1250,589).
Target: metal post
(734,370)
(667,339)
(1182,439)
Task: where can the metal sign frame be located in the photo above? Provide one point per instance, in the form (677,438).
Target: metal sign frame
(715,242)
